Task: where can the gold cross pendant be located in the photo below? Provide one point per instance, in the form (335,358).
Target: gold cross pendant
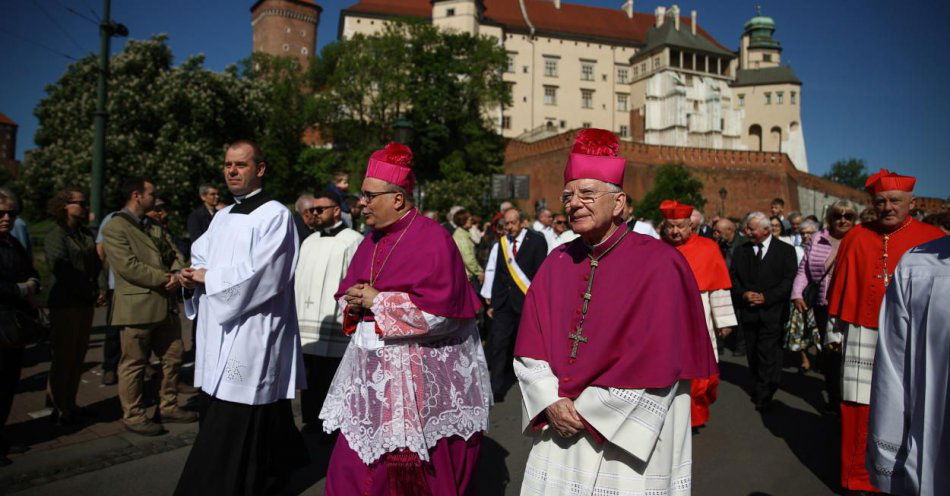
(578,338)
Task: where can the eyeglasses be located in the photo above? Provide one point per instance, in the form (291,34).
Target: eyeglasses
(370,195)
(11,213)
(81,203)
(586,197)
(560,222)
(838,216)
(320,210)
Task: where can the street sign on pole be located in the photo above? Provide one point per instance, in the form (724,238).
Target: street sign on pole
(520,187)
(507,186)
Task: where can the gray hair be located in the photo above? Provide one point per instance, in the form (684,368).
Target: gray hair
(7,195)
(793,215)
(203,189)
(809,224)
(757,216)
(298,205)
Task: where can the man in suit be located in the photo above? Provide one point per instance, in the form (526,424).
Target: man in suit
(762,272)
(145,306)
(200,218)
(517,257)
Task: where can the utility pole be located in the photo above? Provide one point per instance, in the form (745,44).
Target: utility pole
(107,29)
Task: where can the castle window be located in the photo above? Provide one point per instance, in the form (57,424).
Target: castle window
(506,122)
(587,71)
(622,75)
(550,66)
(550,95)
(304,51)
(792,96)
(636,70)
(622,102)
(585,125)
(587,99)
(643,68)
(779,97)
(511,62)
(286,47)
(766,57)
(624,131)
(450,13)
(742,99)
(563,124)
(768,98)
(656,63)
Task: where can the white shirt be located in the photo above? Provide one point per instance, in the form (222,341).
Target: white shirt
(248,346)
(492,263)
(765,247)
(645,228)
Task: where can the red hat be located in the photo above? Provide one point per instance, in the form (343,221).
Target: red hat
(594,156)
(393,164)
(672,209)
(885,180)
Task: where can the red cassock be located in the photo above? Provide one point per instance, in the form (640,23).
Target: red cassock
(855,296)
(704,258)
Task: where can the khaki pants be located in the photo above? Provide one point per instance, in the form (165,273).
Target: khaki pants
(69,340)
(164,338)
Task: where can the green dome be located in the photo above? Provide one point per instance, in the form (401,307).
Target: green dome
(760,29)
(760,22)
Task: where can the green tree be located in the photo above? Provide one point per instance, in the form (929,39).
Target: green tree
(851,172)
(167,123)
(447,84)
(672,182)
(468,190)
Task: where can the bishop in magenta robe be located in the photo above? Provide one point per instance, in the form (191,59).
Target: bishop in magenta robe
(612,332)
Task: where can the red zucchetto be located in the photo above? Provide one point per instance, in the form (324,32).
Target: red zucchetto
(594,156)
(885,180)
(672,209)
(393,164)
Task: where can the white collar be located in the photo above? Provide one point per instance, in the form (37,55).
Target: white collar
(241,198)
(520,237)
(766,242)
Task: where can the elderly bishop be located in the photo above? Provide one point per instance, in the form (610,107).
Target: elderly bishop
(612,332)
(864,267)
(705,260)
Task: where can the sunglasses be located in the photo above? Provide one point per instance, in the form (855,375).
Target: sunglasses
(559,222)
(319,210)
(81,203)
(11,213)
(843,216)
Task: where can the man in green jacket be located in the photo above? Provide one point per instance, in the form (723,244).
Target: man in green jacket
(144,305)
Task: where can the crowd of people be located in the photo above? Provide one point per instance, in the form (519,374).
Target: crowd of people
(400,332)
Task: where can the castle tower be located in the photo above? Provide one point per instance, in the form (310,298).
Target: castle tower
(757,48)
(286,28)
(461,16)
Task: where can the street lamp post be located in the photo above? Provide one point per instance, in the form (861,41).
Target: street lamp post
(722,201)
(402,130)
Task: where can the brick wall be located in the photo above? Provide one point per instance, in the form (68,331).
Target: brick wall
(752,179)
(286,28)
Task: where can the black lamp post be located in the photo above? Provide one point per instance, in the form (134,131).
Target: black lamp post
(722,200)
(402,130)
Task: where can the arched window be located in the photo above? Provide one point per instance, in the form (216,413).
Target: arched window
(775,138)
(755,137)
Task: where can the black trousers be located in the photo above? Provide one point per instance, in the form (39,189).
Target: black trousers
(764,351)
(11,362)
(500,349)
(320,372)
(830,360)
(112,344)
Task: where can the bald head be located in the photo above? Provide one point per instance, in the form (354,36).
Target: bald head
(512,222)
(725,230)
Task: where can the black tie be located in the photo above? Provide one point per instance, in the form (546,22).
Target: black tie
(759,255)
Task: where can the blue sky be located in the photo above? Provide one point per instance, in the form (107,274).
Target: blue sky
(873,70)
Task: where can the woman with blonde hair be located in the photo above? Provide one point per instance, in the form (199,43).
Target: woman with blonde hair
(810,289)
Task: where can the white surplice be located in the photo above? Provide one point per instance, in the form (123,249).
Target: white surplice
(648,448)
(421,378)
(321,266)
(909,428)
(717,305)
(248,346)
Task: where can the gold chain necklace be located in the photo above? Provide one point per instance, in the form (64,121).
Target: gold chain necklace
(578,335)
(885,277)
(372,278)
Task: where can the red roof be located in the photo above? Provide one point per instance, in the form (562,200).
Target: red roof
(6,120)
(577,20)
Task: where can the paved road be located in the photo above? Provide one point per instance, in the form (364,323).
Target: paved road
(789,451)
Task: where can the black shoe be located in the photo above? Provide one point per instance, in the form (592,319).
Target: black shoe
(109,378)
(17,449)
(763,406)
(738,353)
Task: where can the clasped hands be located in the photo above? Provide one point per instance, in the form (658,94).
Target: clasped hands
(753,298)
(563,418)
(190,277)
(361,295)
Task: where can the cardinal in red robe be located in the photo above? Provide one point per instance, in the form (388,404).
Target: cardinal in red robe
(864,266)
(712,276)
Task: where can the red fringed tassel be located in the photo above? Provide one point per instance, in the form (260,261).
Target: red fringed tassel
(350,320)
(405,475)
(598,142)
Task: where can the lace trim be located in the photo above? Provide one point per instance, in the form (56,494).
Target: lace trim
(397,316)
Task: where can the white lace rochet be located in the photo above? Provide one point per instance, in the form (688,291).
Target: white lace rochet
(423,379)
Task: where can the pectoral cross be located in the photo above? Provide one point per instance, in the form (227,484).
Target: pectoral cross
(308,302)
(884,276)
(578,339)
